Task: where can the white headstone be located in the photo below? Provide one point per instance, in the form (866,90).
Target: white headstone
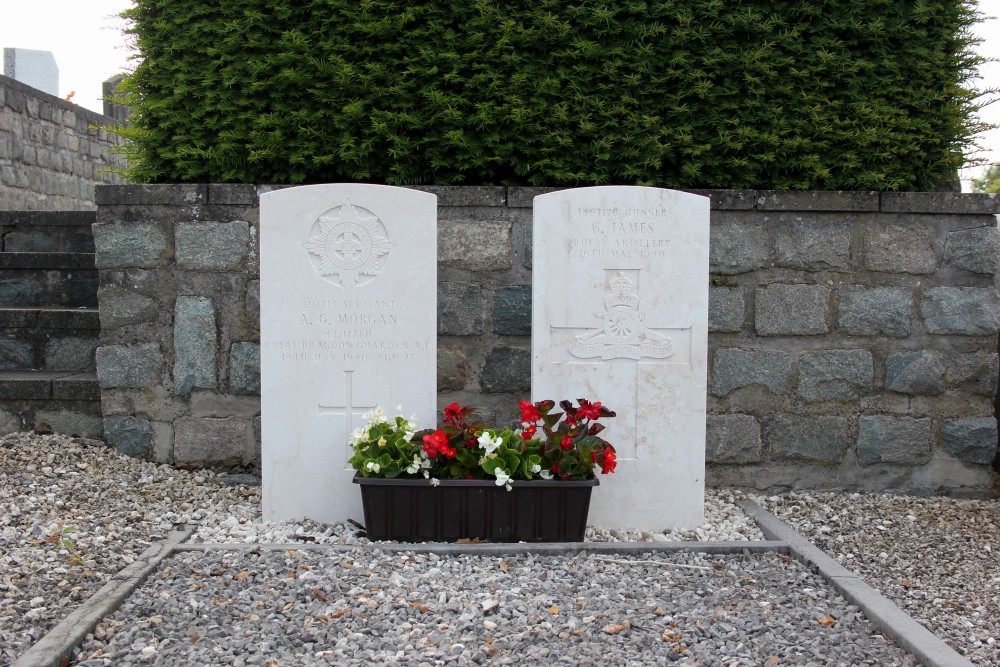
(348,310)
(620,315)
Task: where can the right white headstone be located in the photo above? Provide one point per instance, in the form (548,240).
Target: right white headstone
(620,315)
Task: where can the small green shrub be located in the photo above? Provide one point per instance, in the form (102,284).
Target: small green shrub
(792,94)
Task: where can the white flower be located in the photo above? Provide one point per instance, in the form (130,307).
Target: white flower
(536,468)
(426,474)
(503,479)
(489,443)
(435,482)
(545,474)
(381,442)
(374,467)
(415,466)
(358,435)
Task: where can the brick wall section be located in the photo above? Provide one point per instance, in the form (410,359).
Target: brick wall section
(853,336)
(52,153)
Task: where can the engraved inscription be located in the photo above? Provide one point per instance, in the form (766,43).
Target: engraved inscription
(348,246)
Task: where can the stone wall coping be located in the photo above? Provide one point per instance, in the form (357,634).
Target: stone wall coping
(48,218)
(91,116)
(521,197)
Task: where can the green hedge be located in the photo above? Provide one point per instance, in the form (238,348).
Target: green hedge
(812,94)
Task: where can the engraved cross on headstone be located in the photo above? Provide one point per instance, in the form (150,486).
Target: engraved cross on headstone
(348,245)
(624,347)
(348,410)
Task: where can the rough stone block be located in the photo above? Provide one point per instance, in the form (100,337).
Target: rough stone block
(808,438)
(828,200)
(9,423)
(900,248)
(919,372)
(512,310)
(122,245)
(969,311)
(16,354)
(732,439)
(475,245)
(461,309)
(835,375)
(875,311)
(974,250)
(452,369)
(120,307)
(212,246)
(244,368)
(253,303)
(737,247)
(529,247)
(970,439)
(195,344)
(71,423)
(896,440)
(21,292)
(735,368)
(129,366)
(210,441)
(799,310)
(129,435)
(975,372)
(70,354)
(507,370)
(813,246)
(725,309)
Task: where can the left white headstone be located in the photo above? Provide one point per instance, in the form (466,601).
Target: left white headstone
(348,310)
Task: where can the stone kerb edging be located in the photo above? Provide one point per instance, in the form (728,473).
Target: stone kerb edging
(56,647)
(898,626)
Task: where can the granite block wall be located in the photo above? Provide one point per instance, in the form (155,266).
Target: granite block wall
(52,153)
(853,336)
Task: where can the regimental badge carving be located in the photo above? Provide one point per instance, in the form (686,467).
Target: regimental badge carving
(624,334)
(349,246)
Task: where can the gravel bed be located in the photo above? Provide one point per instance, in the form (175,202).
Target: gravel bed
(262,607)
(74,512)
(937,558)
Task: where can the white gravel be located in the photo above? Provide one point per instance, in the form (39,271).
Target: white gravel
(73,513)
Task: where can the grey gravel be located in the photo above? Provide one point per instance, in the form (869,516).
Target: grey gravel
(307,607)
(938,559)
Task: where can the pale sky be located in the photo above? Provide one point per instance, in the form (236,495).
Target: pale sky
(89,47)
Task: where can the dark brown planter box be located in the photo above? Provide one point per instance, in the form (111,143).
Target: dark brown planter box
(413,510)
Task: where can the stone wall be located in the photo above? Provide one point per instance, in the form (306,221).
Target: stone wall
(52,152)
(853,336)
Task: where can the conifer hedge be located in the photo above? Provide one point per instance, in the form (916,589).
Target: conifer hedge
(786,94)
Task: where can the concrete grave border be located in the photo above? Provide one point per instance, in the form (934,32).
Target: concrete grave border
(56,647)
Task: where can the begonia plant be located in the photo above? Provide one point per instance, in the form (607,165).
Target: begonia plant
(549,445)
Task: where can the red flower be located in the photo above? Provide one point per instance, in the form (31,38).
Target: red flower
(593,457)
(437,443)
(529,413)
(452,413)
(555,468)
(528,433)
(609,461)
(566,442)
(590,410)
(571,420)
